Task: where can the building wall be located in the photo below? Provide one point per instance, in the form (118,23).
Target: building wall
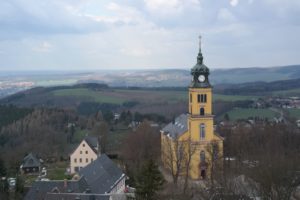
(81,157)
(194,144)
(194,105)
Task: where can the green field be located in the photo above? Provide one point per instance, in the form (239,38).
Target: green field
(119,96)
(245,113)
(294,112)
(97,96)
(234,97)
(287,92)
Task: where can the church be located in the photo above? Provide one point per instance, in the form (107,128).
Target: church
(189,144)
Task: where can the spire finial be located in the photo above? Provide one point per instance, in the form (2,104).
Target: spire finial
(200,43)
(200,57)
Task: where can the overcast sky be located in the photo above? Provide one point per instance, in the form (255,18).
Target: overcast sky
(147,34)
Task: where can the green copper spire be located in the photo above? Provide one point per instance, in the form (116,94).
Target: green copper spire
(200,72)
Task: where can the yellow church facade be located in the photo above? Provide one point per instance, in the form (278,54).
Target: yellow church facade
(189,144)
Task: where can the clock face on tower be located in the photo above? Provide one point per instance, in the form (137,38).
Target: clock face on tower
(201,78)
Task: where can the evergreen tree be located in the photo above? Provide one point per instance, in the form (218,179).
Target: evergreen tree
(20,185)
(148,181)
(3,181)
(2,168)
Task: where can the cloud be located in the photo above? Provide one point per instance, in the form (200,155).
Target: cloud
(225,15)
(80,34)
(169,7)
(43,47)
(234,3)
(136,51)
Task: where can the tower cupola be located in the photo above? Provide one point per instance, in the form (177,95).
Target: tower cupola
(200,72)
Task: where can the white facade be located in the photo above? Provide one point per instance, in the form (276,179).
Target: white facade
(118,188)
(81,157)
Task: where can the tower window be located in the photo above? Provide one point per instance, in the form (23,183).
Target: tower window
(202,131)
(202,98)
(202,156)
(191,98)
(202,111)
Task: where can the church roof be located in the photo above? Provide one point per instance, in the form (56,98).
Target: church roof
(177,127)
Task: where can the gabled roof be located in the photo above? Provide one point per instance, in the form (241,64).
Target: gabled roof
(178,127)
(102,174)
(30,161)
(55,196)
(92,141)
(40,189)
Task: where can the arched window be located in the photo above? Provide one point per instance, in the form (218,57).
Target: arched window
(191,98)
(201,111)
(202,131)
(202,156)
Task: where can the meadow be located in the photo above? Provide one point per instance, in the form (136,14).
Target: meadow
(119,96)
(245,113)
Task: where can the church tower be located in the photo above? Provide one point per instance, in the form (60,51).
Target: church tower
(201,118)
(194,130)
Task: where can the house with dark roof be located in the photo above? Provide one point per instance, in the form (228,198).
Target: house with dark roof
(100,180)
(85,153)
(30,164)
(104,176)
(40,189)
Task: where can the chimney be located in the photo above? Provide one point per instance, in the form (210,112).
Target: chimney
(65,183)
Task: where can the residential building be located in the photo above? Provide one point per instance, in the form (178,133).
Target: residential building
(104,176)
(100,180)
(30,164)
(193,133)
(86,152)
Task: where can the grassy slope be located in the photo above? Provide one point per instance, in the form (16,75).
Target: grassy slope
(121,95)
(294,112)
(97,96)
(287,92)
(245,113)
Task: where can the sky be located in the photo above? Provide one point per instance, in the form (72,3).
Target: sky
(147,34)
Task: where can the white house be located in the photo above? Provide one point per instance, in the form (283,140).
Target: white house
(86,152)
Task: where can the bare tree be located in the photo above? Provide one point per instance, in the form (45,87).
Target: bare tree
(177,156)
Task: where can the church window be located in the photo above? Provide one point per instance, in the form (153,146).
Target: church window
(202,98)
(202,131)
(202,156)
(191,98)
(202,111)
